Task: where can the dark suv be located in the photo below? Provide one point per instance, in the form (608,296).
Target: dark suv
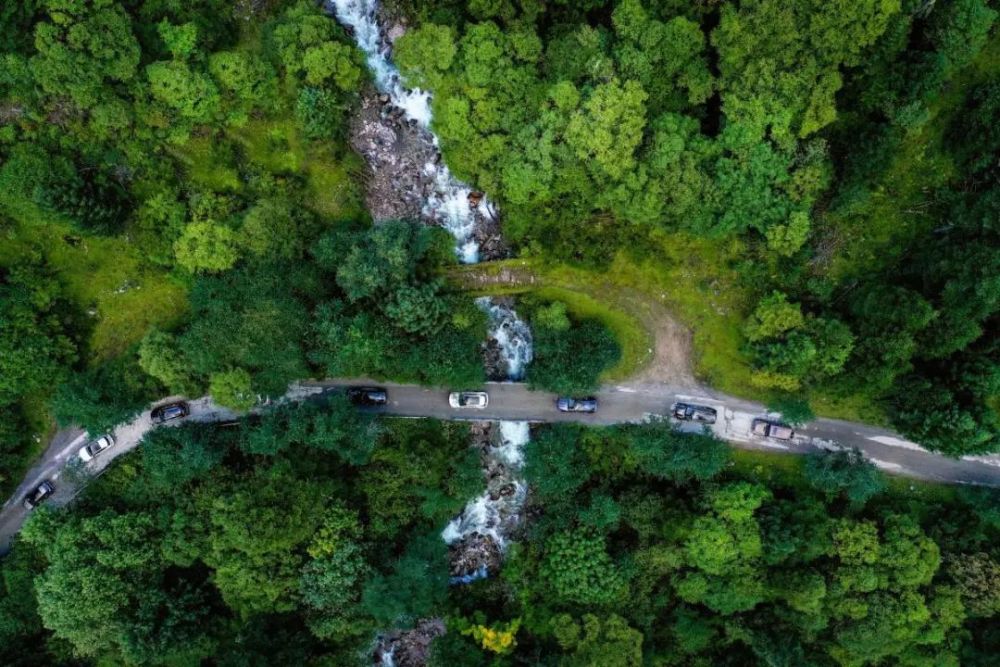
(695,413)
(367,396)
(41,492)
(567,404)
(170,411)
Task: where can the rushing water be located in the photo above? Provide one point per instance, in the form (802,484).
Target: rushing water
(495,513)
(511,333)
(450,204)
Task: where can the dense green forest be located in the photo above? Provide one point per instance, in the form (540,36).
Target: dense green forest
(811,187)
(832,163)
(294,538)
(182,214)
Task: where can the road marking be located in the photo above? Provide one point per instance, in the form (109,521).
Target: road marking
(987,459)
(705,399)
(886,465)
(896,442)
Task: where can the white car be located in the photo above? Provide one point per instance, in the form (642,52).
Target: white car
(468,399)
(95,447)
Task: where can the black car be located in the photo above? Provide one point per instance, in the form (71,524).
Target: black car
(170,411)
(367,396)
(567,404)
(41,492)
(695,413)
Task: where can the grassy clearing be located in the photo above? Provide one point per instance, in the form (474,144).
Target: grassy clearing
(107,279)
(691,278)
(329,170)
(772,468)
(205,165)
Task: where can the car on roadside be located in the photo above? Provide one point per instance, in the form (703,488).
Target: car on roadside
(40,493)
(169,412)
(370,396)
(468,399)
(568,404)
(694,413)
(96,446)
(771,429)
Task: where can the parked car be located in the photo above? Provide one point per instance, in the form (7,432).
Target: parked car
(468,399)
(41,492)
(770,429)
(367,396)
(695,413)
(568,404)
(170,411)
(95,447)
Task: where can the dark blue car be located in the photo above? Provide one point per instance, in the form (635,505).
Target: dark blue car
(567,404)
(170,411)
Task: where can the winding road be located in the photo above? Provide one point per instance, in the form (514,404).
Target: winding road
(514,401)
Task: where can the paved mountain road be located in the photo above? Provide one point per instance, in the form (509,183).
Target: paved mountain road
(512,401)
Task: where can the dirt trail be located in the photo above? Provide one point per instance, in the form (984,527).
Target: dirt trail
(670,350)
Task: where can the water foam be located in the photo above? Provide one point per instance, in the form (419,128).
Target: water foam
(449,204)
(512,334)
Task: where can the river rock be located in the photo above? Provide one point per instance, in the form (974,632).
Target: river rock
(496,367)
(475,553)
(402,160)
(409,648)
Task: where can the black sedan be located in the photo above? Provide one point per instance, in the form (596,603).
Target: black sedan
(41,492)
(567,404)
(369,396)
(695,413)
(170,411)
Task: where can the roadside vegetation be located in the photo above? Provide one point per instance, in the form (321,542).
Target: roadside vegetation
(294,537)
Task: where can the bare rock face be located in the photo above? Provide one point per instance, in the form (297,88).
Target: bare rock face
(394,32)
(409,648)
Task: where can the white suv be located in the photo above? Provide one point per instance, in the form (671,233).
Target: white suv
(92,449)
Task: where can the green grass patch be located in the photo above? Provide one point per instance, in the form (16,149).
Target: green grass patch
(772,468)
(108,281)
(329,169)
(207,166)
(690,278)
(875,232)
